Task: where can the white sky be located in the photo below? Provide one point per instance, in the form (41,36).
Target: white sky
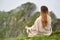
(53,5)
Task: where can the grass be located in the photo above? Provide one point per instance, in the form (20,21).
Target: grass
(54,36)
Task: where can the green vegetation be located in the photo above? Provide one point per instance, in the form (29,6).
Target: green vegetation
(55,36)
(13,23)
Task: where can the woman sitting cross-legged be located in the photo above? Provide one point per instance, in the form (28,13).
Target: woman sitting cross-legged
(42,25)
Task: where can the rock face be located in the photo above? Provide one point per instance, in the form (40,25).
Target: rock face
(53,16)
(12,23)
(56,26)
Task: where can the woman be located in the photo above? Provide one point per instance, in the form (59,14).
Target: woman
(42,25)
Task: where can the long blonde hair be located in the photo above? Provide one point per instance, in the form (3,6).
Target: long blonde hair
(44,13)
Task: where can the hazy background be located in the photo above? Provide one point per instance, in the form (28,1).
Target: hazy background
(15,15)
(53,5)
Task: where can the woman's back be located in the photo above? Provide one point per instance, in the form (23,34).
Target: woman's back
(37,28)
(47,30)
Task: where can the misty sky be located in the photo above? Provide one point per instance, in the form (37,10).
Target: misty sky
(53,5)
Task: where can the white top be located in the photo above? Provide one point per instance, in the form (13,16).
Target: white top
(38,29)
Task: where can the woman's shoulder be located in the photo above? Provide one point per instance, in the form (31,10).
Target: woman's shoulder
(49,17)
(38,19)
